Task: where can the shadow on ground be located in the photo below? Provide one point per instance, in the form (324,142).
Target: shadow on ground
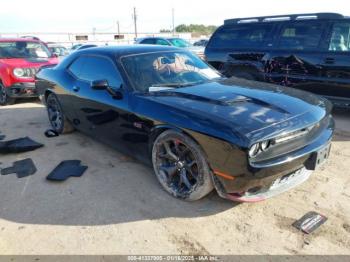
(115,189)
(342,124)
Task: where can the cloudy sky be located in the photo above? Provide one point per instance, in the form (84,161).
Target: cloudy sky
(83,16)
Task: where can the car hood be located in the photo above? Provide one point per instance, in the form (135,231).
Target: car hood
(254,110)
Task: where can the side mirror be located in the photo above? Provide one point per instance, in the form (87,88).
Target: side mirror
(99,84)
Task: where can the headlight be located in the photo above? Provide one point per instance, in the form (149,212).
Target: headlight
(25,72)
(19,72)
(258,148)
(254,150)
(264,145)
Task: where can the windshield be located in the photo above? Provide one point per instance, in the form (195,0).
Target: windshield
(23,49)
(167,69)
(178,42)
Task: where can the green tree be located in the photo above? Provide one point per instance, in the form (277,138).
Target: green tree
(196,28)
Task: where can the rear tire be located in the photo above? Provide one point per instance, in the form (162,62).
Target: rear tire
(57,119)
(181,167)
(4,98)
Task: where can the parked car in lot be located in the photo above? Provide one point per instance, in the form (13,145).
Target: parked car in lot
(75,47)
(202,42)
(85,46)
(199,131)
(20,59)
(305,51)
(58,50)
(171,41)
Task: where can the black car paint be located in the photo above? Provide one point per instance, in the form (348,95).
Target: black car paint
(322,72)
(225,118)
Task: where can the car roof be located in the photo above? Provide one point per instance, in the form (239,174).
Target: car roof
(127,50)
(19,40)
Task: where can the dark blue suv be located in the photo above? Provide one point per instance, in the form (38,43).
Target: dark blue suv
(305,51)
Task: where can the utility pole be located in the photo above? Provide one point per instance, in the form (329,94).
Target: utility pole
(118,27)
(94,32)
(173,18)
(135,22)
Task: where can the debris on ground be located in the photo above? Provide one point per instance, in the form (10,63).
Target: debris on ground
(66,169)
(22,168)
(51,133)
(310,222)
(19,145)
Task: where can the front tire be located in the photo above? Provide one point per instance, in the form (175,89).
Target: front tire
(181,167)
(4,98)
(57,119)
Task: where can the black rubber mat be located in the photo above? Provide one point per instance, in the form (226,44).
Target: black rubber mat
(19,145)
(22,168)
(67,169)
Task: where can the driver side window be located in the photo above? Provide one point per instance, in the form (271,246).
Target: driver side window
(340,37)
(91,68)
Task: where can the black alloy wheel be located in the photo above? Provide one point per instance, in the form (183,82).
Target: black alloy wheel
(180,166)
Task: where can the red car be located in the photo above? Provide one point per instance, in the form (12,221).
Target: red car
(20,59)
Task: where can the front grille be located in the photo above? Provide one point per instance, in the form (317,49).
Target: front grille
(31,72)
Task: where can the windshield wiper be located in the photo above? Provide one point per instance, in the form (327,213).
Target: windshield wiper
(176,84)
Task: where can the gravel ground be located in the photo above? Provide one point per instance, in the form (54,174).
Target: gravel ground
(118,207)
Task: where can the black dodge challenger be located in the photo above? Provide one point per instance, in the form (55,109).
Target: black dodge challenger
(199,131)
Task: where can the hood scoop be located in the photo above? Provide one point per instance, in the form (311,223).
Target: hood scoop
(238,100)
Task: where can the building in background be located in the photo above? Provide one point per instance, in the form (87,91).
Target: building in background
(110,38)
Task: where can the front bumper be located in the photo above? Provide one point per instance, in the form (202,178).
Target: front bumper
(258,182)
(294,179)
(23,89)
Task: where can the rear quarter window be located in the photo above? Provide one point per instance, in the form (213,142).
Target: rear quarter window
(241,36)
(76,66)
(301,35)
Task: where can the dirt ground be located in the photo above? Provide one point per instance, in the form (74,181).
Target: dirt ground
(118,207)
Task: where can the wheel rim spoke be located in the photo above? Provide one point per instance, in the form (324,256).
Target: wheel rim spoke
(176,166)
(184,179)
(169,170)
(189,171)
(190,164)
(169,152)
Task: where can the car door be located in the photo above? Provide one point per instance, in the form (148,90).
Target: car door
(336,63)
(99,112)
(297,59)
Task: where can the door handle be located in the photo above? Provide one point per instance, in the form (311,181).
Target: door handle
(329,60)
(76,88)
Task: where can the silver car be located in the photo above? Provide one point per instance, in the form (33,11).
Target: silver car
(172,41)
